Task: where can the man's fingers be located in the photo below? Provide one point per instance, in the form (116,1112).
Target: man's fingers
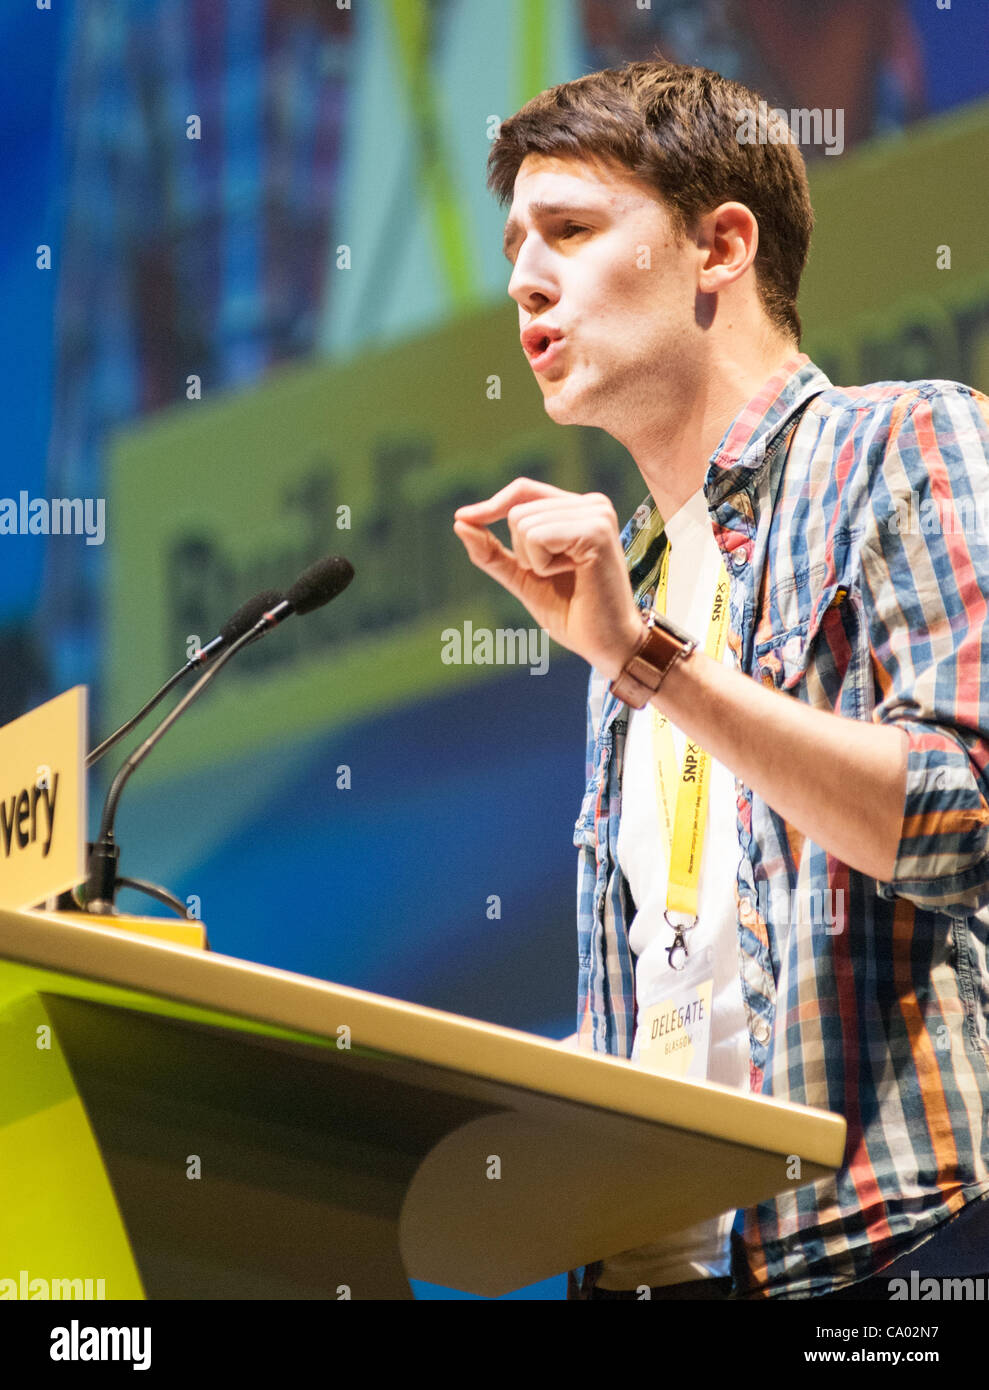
(551,545)
(548,536)
(488,554)
(498,506)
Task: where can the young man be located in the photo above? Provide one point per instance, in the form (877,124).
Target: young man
(785,835)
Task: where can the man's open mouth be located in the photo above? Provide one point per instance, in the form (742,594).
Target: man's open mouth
(536,341)
(542,345)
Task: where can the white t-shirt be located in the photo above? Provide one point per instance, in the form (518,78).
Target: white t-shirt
(712,944)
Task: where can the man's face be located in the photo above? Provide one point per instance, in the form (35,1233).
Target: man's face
(596,260)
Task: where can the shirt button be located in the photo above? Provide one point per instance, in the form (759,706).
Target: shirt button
(761,1031)
(739,560)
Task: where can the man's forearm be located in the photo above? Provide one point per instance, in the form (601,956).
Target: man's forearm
(840,782)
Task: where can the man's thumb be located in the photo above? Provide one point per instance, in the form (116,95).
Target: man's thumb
(488,554)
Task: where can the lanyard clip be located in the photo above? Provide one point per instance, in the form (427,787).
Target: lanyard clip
(677,953)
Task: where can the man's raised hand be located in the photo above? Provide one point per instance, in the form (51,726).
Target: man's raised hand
(566,565)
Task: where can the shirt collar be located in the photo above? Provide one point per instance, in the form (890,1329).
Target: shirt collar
(746,438)
(750,432)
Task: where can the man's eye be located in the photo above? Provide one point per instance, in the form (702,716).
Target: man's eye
(569,229)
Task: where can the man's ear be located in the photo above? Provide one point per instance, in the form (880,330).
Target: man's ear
(729,237)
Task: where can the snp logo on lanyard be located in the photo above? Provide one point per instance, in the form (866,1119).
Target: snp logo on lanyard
(675,1034)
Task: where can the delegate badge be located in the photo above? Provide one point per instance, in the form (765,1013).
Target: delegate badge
(675,1034)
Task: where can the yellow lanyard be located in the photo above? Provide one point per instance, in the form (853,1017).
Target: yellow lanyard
(683,832)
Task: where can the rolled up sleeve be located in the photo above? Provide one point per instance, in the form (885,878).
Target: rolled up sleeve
(925,579)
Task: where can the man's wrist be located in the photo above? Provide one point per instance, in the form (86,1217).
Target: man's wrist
(635,637)
(658,646)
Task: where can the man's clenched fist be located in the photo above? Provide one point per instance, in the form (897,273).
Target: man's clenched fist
(566,566)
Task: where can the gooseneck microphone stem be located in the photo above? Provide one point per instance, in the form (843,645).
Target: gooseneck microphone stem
(315,586)
(102,879)
(125,729)
(246,616)
(141,752)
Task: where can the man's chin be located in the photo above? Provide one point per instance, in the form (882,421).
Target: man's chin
(564,408)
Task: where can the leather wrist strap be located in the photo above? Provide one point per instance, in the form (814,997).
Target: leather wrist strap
(661,644)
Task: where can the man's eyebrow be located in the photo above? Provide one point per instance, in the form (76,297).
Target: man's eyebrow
(513,229)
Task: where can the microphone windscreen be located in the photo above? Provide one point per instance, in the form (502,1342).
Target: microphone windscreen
(319,583)
(249,613)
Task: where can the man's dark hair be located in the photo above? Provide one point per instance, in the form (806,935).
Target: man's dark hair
(679,129)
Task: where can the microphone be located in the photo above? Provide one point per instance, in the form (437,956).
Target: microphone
(315,587)
(245,617)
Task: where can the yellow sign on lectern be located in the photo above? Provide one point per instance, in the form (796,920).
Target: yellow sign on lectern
(43,801)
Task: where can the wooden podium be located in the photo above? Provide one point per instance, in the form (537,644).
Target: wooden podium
(185,1125)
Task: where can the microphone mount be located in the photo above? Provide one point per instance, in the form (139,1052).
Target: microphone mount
(314,587)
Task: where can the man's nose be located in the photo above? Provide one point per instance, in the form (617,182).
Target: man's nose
(533,283)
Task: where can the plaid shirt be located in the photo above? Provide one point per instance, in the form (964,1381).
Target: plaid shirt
(847,594)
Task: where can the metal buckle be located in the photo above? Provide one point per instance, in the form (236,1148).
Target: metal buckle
(679,947)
